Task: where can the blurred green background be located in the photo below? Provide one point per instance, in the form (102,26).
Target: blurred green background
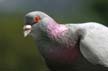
(20,54)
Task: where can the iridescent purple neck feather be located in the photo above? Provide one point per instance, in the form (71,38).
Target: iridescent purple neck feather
(55,30)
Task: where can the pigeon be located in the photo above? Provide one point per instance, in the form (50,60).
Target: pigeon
(63,45)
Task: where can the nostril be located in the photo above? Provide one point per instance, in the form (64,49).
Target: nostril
(27,27)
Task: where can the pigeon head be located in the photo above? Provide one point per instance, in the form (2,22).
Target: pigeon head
(35,19)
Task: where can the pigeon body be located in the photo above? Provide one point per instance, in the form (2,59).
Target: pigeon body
(94,42)
(60,44)
(94,45)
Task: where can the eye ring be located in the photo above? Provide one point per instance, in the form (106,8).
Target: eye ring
(37,19)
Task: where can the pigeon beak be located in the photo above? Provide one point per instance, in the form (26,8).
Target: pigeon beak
(27,30)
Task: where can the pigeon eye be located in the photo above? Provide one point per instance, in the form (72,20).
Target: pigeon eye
(37,19)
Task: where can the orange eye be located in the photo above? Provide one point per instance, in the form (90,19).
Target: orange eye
(37,19)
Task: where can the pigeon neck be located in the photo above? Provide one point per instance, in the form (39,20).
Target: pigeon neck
(55,30)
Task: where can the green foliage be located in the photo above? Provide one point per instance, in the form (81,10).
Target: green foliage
(16,52)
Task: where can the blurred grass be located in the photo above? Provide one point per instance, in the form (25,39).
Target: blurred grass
(16,52)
